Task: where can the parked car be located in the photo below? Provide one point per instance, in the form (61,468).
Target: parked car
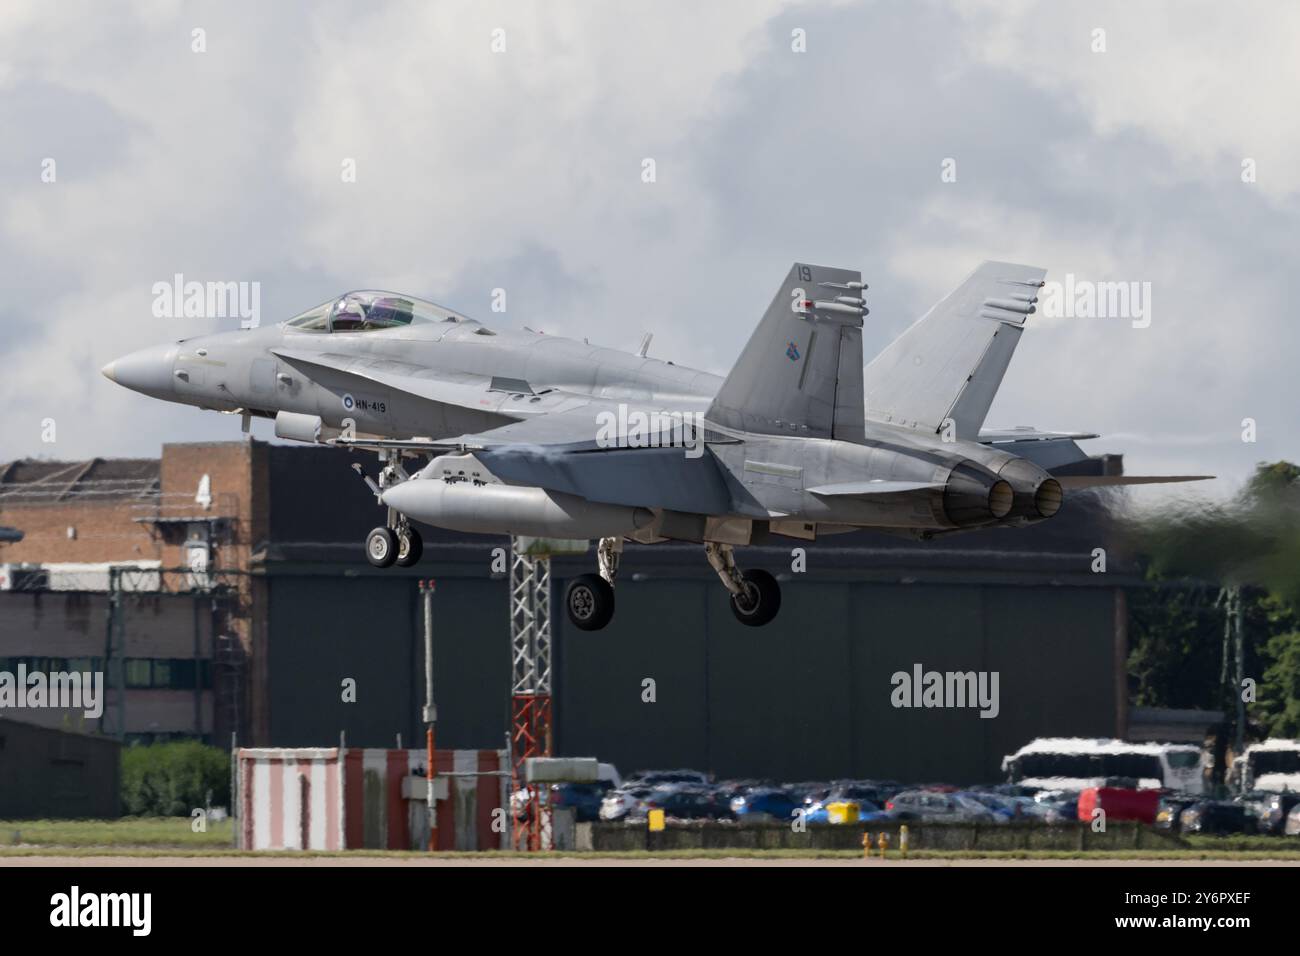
(1013,790)
(625,803)
(1060,806)
(655,778)
(584,798)
(1271,809)
(1170,808)
(721,795)
(934,806)
(1217,817)
(849,802)
(839,809)
(1004,809)
(683,803)
(765,803)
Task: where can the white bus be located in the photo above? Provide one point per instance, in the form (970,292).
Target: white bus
(1272,766)
(1076,763)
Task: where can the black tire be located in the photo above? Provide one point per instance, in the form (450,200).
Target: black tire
(410,547)
(590,602)
(763,599)
(381,547)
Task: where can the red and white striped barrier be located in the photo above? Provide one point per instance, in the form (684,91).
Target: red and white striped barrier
(335,799)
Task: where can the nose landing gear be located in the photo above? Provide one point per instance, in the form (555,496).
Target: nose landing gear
(396,543)
(400,545)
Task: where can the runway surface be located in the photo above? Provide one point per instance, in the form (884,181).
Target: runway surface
(68,862)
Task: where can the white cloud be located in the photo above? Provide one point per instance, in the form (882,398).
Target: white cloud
(522,170)
(1213,82)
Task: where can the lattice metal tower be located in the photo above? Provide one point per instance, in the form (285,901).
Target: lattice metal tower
(530,690)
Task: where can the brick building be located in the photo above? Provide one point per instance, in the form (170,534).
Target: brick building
(160,547)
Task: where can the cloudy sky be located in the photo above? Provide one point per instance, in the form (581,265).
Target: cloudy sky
(522,169)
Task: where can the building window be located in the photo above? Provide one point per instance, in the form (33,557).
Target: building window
(139,673)
(142,673)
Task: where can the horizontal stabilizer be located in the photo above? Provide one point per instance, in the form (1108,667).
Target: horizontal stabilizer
(1110,481)
(879,487)
(1015,433)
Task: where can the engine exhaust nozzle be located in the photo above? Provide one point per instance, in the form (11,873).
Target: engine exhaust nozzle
(1037,493)
(973,496)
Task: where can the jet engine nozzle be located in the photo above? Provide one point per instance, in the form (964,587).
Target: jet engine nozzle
(1047,499)
(1037,493)
(974,495)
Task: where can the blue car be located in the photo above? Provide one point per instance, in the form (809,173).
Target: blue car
(765,804)
(868,812)
(1004,809)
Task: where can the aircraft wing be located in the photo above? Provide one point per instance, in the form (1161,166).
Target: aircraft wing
(583,451)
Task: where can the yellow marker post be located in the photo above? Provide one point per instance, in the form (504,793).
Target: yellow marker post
(902,840)
(655,819)
(866,844)
(883,843)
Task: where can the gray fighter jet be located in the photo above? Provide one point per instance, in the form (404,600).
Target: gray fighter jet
(537,435)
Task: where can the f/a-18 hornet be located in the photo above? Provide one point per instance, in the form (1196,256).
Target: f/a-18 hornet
(537,435)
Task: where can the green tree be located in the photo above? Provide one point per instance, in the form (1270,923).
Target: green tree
(173,779)
(1251,543)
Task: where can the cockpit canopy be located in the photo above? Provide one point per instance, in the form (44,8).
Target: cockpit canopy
(369,311)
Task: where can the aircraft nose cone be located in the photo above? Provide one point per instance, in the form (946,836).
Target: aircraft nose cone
(148,371)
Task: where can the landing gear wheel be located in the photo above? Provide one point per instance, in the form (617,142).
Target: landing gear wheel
(410,546)
(761,600)
(589,601)
(381,547)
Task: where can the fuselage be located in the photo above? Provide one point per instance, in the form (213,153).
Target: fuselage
(375,381)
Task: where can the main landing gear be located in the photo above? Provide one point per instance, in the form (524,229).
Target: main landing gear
(755,595)
(589,599)
(396,542)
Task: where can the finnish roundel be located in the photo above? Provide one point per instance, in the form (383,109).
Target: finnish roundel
(348,402)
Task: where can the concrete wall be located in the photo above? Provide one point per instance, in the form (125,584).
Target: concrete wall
(945,837)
